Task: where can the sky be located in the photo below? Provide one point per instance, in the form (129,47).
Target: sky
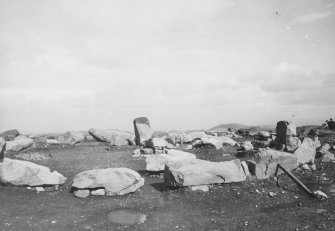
(184,64)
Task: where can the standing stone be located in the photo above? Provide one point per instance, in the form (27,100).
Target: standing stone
(143,130)
(285,133)
(2,148)
(307,150)
(9,135)
(202,172)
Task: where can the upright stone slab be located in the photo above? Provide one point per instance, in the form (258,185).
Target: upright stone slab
(143,131)
(202,172)
(285,137)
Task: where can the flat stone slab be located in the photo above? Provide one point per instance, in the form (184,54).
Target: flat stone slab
(201,172)
(115,181)
(307,150)
(19,173)
(157,162)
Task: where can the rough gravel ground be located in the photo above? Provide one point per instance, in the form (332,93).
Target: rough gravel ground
(237,206)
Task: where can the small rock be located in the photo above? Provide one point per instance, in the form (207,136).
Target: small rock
(271,194)
(98,192)
(320,194)
(313,167)
(82,193)
(39,189)
(203,188)
(305,167)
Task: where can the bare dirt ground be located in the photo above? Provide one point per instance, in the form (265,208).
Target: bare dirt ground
(236,206)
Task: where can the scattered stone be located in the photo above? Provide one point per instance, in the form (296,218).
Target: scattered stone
(118,141)
(246,146)
(170,139)
(143,130)
(271,194)
(201,172)
(328,157)
(196,135)
(212,141)
(324,149)
(39,189)
(265,163)
(156,143)
(52,141)
(116,181)
(189,147)
(9,135)
(203,188)
(105,135)
(264,134)
(19,143)
(305,167)
(73,137)
(147,151)
(19,172)
(98,192)
(307,150)
(158,162)
(82,193)
(136,153)
(226,140)
(260,144)
(320,194)
(313,167)
(126,216)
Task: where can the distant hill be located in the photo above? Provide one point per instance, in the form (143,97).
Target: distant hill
(238,126)
(226,126)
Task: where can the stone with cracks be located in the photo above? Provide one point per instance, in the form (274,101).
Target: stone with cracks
(265,163)
(9,135)
(19,143)
(284,129)
(202,172)
(115,181)
(157,162)
(19,173)
(73,137)
(143,130)
(307,150)
(106,135)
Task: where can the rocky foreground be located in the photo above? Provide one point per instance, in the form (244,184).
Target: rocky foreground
(177,159)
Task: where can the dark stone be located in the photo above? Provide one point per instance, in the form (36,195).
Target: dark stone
(9,135)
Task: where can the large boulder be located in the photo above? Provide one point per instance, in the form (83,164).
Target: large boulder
(226,140)
(20,173)
(201,172)
(157,162)
(73,137)
(19,143)
(108,135)
(307,150)
(143,130)
(9,135)
(265,163)
(196,135)
(2,148)
(115,181)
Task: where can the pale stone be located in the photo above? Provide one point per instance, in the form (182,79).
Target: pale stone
(307,150)
(115,181)
(82,193)
(98,192)
(19,143)
(156,142)
(158,162)
(203,188)
(143,130)
(73,137)
(201,172)
(105,135)
(19,172)
(245,168)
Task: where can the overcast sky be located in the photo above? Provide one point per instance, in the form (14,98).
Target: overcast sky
(185,64)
